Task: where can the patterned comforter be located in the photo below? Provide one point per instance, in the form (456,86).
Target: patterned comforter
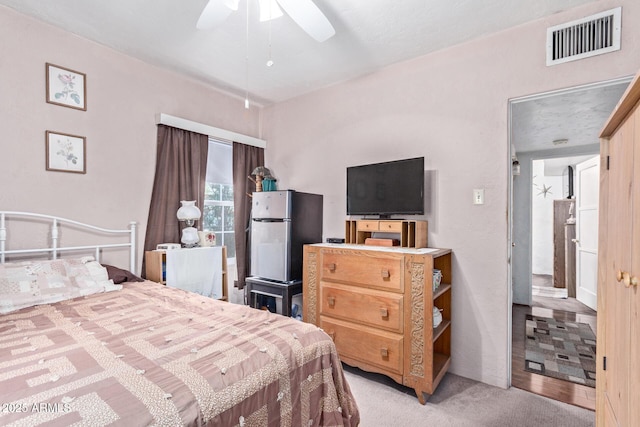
(151,355)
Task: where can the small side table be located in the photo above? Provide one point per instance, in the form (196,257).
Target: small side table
(285,291)
(156,268)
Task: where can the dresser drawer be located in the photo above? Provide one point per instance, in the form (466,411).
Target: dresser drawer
(364,269)
(379,348)
(368,225)
(390,226)
(375,308)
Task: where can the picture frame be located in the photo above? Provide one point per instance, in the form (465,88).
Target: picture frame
(66,87)
(65,152)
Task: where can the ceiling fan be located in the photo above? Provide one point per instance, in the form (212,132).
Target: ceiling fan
(304,12)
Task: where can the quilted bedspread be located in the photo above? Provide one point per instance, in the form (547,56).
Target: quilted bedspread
(151,355)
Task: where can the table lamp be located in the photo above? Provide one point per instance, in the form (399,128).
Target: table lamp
(189,213)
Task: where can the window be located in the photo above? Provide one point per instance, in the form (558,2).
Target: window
(217,214)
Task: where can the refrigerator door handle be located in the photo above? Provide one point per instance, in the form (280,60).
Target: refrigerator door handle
(287,259)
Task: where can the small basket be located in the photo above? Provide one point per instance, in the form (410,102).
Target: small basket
(437,278)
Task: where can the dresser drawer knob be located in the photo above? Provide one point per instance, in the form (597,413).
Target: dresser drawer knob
(385,273)
(384,352)
(332,267)
(331,301)
(332,335)
(384,313)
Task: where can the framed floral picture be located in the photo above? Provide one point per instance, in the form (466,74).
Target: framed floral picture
(66,153)
(66,87)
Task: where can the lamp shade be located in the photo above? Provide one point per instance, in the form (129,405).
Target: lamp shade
(188,210)
(261,171)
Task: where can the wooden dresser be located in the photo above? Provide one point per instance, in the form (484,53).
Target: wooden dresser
(377,305)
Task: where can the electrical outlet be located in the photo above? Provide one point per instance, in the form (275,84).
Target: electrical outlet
(478,196)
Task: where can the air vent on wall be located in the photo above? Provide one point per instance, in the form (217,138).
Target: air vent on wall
(594,35)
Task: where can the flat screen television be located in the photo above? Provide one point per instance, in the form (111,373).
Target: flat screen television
(388,188)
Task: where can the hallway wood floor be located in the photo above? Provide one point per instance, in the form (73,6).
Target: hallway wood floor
(553,388)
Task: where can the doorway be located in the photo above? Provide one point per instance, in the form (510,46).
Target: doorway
(560,259)
(553,278)
(555,125)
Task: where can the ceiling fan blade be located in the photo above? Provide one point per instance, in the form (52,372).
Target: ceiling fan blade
(309,17)
(215,13)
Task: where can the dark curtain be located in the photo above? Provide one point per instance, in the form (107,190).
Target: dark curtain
(245,159)
(181,170)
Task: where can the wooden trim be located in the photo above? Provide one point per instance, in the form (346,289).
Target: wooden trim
(627,103)
(310,285)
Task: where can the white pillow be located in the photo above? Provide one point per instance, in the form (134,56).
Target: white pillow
(29,283)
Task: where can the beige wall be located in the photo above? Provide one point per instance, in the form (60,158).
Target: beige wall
(123,97)
(451,108)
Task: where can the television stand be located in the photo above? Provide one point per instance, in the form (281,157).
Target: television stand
(413,233)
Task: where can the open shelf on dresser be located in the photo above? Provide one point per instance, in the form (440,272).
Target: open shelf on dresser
(410,233)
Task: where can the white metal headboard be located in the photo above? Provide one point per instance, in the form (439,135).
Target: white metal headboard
(55,249)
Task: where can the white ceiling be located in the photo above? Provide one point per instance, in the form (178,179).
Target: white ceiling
(370,34)
(576,115)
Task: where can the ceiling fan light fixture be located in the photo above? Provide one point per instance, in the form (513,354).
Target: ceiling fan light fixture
(269,10)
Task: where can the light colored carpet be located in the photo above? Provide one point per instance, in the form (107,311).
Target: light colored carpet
(457,402)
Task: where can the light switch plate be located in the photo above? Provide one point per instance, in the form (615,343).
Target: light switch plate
(478,196)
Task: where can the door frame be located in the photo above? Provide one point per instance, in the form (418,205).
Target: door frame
(511,155)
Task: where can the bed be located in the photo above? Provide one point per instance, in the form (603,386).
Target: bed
(95,352)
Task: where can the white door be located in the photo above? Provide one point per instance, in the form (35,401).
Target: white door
(587,195)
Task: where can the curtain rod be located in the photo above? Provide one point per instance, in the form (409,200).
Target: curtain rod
(180,123)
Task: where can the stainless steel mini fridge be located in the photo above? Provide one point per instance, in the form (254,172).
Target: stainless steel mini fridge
(281,223)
